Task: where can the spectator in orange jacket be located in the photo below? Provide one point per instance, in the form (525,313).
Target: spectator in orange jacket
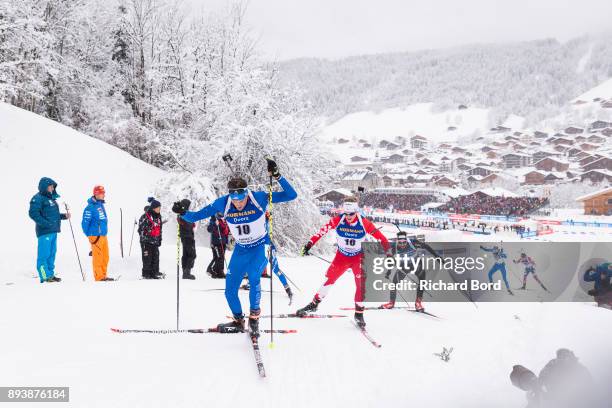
(95,227)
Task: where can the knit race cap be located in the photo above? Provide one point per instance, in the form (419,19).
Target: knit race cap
(98,190)
(153,203)
(237,188)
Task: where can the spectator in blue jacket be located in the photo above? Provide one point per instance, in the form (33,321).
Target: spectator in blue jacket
(601,275)
(95,227)
(47,216)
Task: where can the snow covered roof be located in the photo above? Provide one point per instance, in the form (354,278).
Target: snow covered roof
(596,193)
(605,172)
(498,192)
(454,192)
(555,159)
(356,176)
(343,191)
(431,205)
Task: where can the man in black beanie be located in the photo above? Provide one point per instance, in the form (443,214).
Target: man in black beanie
(150,231)
(186,232)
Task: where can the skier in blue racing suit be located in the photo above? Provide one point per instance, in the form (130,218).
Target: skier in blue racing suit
(500,264)
(244,211)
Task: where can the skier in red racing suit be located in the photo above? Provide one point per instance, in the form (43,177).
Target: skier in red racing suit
(351,230)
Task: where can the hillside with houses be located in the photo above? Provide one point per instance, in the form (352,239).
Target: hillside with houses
(503,159)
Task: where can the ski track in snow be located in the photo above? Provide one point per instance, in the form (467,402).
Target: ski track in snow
(60,335)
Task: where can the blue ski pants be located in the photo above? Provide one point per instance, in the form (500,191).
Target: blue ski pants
(245,261)
(499,266)
(45,260)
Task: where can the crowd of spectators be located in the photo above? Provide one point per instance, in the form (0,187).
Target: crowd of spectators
(403,202)
(480,203)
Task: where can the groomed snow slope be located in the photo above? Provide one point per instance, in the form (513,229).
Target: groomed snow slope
(59,334)
(603,90)
(32,147)
(412,120)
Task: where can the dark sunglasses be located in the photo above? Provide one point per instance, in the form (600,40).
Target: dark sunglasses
(350,214)
(237,190)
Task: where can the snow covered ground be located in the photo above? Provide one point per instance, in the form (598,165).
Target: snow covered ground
(32,147)
(409,121)
(59,334)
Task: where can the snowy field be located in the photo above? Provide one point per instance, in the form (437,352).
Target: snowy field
(59,334)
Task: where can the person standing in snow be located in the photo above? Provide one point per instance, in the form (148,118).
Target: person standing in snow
(186,232)
(95,228)
(150,231)
(351,230)
(244,212)
(47,216)
(219,233)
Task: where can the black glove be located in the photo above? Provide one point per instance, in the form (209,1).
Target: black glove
(273,168)
(177,208)
(306,249)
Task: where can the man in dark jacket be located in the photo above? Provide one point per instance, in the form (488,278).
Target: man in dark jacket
(46,214)
(219,233)
(150,231)
(186,232)
(601,275)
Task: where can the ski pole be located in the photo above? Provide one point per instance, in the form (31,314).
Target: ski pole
(270,262)
(132,240)
(75,244)
(400,294)
(121,231)
(178,251)
(289,279)
(323,259)
(280,272)
(227,158)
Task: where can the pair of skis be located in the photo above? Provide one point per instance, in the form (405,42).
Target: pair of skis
(253,340)
(409,309)
(328,316)
(194,331)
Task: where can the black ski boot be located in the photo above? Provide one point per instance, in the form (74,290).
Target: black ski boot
(187,274)
(235,326)
(289,293)
(311,307)
(359,317)
(54,279)
(158,275)
(254,323)
(107,279)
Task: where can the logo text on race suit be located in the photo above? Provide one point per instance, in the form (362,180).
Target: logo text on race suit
(241,214)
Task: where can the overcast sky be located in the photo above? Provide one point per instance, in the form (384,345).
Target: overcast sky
(339,28)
